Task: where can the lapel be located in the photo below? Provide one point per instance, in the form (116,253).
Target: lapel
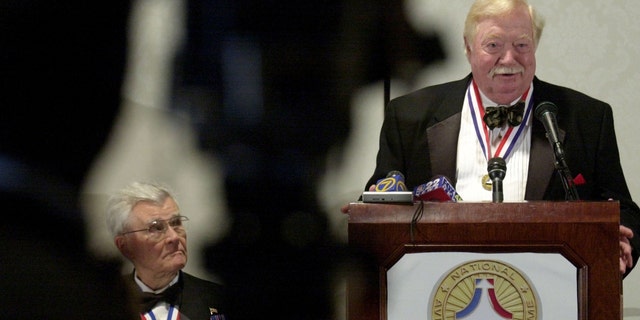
(443,145)
(443,135)
(199,298)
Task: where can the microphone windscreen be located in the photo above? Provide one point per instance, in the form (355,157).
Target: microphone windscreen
(544,107)
(438,189)
(393,182)
(497,168)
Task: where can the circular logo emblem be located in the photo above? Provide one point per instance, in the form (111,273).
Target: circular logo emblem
(389,184)
(484,289)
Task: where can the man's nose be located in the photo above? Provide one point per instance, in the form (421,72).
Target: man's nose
(171,234)
(509,55)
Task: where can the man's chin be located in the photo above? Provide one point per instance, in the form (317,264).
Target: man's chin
(179,265)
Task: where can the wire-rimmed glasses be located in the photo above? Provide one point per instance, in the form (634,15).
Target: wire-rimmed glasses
(156,229)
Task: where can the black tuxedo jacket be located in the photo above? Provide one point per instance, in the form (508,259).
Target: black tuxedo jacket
(197,297)
(419,137)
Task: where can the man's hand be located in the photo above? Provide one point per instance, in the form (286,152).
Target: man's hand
(345,208)
(626,261)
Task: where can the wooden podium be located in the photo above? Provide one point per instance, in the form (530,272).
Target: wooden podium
(585,233)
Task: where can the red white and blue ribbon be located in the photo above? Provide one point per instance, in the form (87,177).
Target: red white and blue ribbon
(511,136)
(173,314)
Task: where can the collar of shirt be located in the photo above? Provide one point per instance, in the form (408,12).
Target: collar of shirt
(146,288)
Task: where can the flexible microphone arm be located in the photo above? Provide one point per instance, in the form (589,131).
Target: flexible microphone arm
(546,113)
(571,193)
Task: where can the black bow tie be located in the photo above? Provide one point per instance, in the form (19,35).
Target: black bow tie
(496,116)
(148,300)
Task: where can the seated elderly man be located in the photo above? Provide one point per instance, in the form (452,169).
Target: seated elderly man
(148,229)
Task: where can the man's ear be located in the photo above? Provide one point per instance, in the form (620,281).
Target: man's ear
(467,47)
(122,245)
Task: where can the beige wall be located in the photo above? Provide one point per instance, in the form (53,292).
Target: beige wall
(588,45)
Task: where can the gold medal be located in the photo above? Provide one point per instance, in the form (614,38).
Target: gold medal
(487,184)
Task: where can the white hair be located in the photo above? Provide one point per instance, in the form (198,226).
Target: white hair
(122,202)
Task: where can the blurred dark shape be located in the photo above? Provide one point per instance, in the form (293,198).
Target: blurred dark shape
(268,85)
(62,65)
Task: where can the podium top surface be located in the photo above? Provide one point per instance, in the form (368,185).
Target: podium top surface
(483,212)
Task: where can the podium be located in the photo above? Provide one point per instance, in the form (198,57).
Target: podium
(585,233)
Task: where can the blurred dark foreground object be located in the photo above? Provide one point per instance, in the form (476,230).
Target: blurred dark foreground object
(268,85)
(62,65)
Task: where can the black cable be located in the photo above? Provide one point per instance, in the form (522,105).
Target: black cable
(417,215)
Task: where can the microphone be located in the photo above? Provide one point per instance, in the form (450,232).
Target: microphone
(497,169)
(546,113)
(438,189)
(393,182)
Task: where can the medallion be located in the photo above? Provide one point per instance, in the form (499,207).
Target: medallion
(487,184)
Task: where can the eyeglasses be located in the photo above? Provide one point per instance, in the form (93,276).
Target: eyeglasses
(157,228)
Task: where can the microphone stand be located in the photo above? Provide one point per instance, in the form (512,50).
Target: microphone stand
(546,113)
(497,195)
(497,169)
(571,193)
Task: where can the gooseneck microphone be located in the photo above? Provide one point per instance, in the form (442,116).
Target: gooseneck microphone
(546,113)
(497,169)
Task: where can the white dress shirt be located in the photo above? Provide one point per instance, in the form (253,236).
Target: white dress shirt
(471,164)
